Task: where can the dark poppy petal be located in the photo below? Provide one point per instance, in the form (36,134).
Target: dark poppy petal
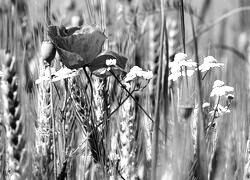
(71,60)
(100,61)
(88,46)
(79,45)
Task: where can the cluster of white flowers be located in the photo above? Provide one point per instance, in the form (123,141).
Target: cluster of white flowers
(181,66)
(136,73)
(62,73)
(209,62)
(220,90)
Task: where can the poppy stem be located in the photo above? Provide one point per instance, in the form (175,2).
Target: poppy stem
(89,81)
(91,89)
(53,123)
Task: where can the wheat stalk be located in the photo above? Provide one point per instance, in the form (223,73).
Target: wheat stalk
(17,153)
(43,130)
(2,149)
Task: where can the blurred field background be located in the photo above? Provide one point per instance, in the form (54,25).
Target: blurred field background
(74,129)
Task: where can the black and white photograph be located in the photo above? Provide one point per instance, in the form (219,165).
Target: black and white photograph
(124,89)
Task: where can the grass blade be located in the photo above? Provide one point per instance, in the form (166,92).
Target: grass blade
(157,110)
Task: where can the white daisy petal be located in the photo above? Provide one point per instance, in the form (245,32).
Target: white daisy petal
(210,59)
(209,62)
(180,57)
(228,88)
(174,76)
(219,89)
(135,69)
(205,105)
(136,73)
(147,75)
(218,83)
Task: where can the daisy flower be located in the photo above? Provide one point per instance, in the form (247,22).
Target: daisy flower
(140,76)
(219,89)
(209,62)
(62,73)
(136,72)
(177,66)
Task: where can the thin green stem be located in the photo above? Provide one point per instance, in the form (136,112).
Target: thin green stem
(201,146)
(53,123)
(183,25)
(204,75)
(158,98)
(213,117)
(132,96)
(123,101)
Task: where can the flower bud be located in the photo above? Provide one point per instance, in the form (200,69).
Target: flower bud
(48,51)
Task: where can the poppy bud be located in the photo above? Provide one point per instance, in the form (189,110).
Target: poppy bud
(58,57)
(48,51)
(8,59)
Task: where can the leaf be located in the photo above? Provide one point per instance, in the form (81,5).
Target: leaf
(77,46)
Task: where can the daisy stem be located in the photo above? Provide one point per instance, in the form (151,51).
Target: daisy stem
(119,105)
(129,93)
(132,96)
(205,75)
(213,118)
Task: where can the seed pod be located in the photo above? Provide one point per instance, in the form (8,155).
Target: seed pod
(48,51)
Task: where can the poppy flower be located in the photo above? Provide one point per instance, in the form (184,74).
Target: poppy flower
(106,61)
(77,46)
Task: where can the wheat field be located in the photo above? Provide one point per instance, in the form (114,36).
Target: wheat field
(124,90)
